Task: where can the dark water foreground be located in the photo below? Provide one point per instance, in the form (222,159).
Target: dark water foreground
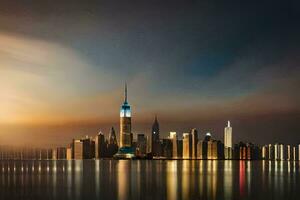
(141,179)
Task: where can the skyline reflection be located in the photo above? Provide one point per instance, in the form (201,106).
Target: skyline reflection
(170,179)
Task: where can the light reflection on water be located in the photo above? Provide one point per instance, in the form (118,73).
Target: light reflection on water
(157,179)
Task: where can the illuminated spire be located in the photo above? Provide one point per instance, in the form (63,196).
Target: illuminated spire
(228,124)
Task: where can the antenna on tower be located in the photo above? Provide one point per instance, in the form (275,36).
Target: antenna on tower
(228,124)
(125,92)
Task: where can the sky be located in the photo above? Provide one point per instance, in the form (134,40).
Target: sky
(63,65)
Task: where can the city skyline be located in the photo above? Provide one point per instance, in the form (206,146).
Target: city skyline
(235,62)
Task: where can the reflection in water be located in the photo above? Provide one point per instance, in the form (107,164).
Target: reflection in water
(185,179)
(97,177)
(228,179)
(113,179)
(78,176)
(242,179)
(201,177)
(212,178)
(172,185)
(123,179)
(249,176)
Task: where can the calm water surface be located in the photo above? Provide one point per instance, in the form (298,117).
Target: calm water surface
(141,179)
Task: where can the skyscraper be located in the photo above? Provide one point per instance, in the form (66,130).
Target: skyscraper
(112,139)
(141,145)
(125,123)
(187,146)
(228,141)
(69,153)
(112,143)
(175,146)
(88,147)
(202,149)
(299,152)
(194,134)
(288,152)
(78,149)
(155,142)
(100,146)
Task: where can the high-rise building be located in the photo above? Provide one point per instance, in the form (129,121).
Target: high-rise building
(54,154)
(155,141)
(202,149)
(207,137)
(281,152)
(78,149)
(100,146)
(141,146)
(276,151)
(264,152)
(175,145)
(125,123)
(288,152)
(148,144)
(61,153)
(294,155)
(299,152)
(112,139)
(69,154)
(215,149)
(187,146)
(228,141)
(88,147)
(112,148)
(167,148)
(194,134)
(271,152)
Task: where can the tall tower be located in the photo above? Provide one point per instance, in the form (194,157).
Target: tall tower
(194,134)
(155,142)
(112,139)
(228,141)
(125,123)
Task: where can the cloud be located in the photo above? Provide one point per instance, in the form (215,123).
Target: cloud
(40,78)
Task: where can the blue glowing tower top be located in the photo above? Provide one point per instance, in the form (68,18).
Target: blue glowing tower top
(125,110)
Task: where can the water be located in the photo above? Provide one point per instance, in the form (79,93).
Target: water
(142,179)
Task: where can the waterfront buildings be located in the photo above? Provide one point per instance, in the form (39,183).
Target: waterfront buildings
(190,147)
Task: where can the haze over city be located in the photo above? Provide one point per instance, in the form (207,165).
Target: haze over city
(195,64)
